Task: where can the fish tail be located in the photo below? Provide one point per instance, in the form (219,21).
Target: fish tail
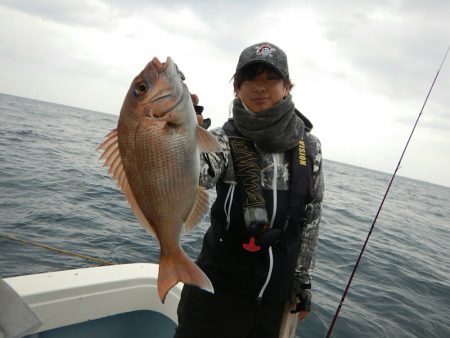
(180,268)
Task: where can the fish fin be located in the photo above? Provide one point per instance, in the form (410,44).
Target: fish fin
(180,268)
(199,209)
(135,207)
(112,158)
(110,138)
(206,141)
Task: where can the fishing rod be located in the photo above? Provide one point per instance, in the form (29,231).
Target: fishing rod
(382,202)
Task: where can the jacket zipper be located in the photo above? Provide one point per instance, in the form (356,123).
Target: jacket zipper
(274,191)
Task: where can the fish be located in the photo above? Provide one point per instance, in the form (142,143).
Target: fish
(154,157)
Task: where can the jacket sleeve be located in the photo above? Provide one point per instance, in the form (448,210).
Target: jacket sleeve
(310,230)
(214,165)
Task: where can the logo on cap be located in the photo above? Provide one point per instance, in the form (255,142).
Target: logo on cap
(265,50)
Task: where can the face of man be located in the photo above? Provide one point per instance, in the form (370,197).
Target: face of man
(262,92)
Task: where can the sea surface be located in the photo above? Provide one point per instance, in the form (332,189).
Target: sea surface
(54,191)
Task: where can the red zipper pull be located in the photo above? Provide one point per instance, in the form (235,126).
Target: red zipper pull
(251,245)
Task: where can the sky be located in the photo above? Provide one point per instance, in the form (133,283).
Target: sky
(361,69)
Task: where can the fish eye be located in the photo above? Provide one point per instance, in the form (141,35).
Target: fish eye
(140,88)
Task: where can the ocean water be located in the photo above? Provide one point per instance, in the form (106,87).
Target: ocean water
(54,191)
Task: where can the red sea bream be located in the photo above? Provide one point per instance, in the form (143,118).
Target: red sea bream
(154,156)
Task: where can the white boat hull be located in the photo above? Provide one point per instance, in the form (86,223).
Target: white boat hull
(70,297)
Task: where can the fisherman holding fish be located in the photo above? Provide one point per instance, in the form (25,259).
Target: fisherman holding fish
(260,249)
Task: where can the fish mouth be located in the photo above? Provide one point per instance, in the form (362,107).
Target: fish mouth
(166,93)
(161,66)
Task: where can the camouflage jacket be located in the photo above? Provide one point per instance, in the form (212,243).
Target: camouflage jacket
(215,166)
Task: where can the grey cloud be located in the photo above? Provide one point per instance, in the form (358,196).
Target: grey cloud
(69,12)
(436,115)
(400,52)
(224,17)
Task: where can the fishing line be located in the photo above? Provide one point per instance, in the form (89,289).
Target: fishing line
(382,201)
(51,248)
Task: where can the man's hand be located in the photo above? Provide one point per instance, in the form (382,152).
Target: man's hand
(304,306)
(300,299)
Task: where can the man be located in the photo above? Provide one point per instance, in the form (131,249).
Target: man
(260,248)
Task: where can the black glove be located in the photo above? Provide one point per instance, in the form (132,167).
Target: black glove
(206,123)
(199,110)
(301,295)
(305,301)
(267,237)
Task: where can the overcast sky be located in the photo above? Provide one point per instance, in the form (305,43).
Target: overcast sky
(361,68)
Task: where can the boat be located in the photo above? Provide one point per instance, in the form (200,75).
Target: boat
(114,301)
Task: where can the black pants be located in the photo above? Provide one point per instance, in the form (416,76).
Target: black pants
(204,315)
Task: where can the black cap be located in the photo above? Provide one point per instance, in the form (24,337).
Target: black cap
(264,52)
